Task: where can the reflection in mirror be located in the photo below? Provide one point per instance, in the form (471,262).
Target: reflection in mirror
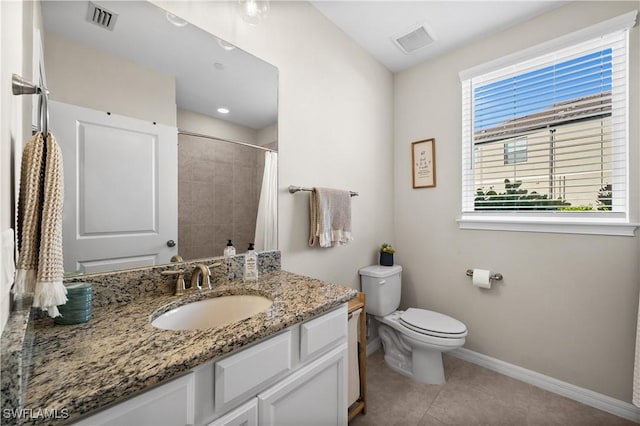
(119,95)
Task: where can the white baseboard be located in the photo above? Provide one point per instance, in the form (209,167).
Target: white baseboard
(373,345)
(585,396)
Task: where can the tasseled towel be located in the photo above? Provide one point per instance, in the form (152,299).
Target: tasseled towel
(330,217)
(40,265)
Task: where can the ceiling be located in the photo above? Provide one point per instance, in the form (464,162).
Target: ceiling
(207,76)
(246,84)
(373,24)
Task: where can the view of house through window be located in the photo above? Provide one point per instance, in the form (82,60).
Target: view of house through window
(543,137)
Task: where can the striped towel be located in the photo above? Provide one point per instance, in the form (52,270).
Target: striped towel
(40,263)
(330,217)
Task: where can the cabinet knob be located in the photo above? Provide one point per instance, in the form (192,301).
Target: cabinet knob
(171,243)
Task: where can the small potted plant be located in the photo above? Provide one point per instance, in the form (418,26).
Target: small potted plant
(386,254)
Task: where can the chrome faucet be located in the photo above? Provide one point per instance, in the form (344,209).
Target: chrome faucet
(201,277)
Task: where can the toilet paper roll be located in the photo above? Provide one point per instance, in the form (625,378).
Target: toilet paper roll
(481,278)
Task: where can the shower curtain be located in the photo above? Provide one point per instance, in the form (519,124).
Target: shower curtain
(267,222)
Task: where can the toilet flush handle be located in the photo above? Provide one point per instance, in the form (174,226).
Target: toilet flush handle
(381,282)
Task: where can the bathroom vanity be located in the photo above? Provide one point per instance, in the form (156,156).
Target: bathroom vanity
(287,364)
(295,377)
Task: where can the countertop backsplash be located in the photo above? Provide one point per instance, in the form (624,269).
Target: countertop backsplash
(124,286)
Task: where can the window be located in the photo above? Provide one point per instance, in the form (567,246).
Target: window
(515,151)
(545,133)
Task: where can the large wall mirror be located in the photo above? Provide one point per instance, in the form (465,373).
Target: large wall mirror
(168,133)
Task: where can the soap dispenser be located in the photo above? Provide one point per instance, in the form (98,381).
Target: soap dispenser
(250,264)
(229,250)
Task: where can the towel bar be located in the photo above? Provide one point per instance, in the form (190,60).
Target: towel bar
(294,189)
(21,86)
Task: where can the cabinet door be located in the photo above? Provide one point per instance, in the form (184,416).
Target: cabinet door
(167,404)
(320,334)
(242,375)
(314,395)
(245,415)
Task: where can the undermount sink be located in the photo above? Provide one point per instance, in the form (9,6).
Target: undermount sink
(213,312)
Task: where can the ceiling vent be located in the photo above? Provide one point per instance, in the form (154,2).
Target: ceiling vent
(414,39)
(101,17)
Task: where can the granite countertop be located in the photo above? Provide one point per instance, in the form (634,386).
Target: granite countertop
(80,368)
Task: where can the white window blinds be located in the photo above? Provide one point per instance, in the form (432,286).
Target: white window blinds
(547,135)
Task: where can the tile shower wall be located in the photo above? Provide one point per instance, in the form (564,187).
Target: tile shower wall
(218,190)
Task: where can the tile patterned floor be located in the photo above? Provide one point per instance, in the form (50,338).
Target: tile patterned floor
(473,395)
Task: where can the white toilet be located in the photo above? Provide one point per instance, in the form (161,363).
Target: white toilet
(413,340)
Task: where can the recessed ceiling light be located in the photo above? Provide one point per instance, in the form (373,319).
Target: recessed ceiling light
(223,110)
(178,22)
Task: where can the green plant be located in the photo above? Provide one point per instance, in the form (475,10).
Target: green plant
(588,207)
(604,197)
(387,248)
(515,198)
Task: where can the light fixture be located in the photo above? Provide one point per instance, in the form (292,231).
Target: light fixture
(253,11)
(223,110)
(178,22)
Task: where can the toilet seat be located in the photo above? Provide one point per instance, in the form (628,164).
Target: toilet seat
(420,337)
(432,323)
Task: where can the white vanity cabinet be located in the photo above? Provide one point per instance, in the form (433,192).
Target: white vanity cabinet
(297,377)
(314,395)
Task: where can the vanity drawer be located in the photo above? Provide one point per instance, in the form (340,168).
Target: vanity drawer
(171,403)
(246,373)
(320,334)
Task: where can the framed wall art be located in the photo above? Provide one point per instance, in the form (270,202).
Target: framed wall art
(423,163)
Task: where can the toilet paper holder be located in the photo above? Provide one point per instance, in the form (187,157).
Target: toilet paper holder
(497,276)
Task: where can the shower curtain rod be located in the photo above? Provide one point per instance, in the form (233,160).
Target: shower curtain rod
(200,135)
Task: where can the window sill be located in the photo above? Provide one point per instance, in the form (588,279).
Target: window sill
(557,227)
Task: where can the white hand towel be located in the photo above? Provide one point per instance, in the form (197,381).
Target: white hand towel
(330,217)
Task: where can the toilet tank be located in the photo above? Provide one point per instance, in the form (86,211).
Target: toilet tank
(381,284)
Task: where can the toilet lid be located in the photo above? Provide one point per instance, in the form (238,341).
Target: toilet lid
(432,323)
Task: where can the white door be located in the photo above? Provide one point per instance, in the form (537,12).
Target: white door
(315,395)
(120,182)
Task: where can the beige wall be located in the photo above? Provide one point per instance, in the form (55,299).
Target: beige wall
(81,75)
(268,136)
(199,123)
(334,127)
(568,303)
(17,19)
